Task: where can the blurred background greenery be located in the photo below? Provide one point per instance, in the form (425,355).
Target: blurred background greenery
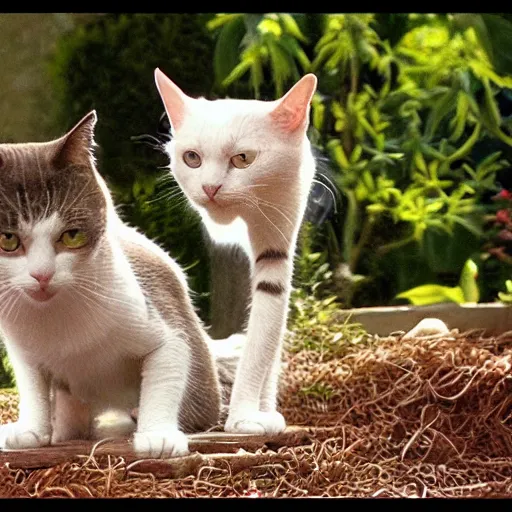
(411,124)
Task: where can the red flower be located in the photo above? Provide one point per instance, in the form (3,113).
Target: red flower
(503,216)
(503,194)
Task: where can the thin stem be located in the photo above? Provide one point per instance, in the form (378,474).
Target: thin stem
(350,225)
(395,245)
(366,232)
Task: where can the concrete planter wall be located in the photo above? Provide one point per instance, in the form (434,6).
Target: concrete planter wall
(495,318)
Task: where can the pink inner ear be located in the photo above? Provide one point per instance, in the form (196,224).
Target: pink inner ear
(172,97)
(292,110)
(287,118)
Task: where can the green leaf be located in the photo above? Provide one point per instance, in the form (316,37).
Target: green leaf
(291,27)
(324,54)
(282,64)
(459,121)
(468,282)
(295,50)
(471,226)
(490,104)
(432,294)
(497,41)
(336,150)
(270,25)
(227,48)
(440,110)
(222,19)
(238,72)
(467,146)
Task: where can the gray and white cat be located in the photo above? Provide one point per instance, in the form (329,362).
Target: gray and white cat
(93,309)
(247,167)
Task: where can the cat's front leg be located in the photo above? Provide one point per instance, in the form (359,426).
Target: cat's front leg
(252,407)
(33,428)
(164,378)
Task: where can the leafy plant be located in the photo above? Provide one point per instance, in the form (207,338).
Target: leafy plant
(466,291)
(401,119)
(271,40)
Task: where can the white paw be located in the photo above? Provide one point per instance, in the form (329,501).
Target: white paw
(257,422)
(14,436)
(160,444)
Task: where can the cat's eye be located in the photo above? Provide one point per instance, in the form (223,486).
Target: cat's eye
(243,160)
(192,159)
(73,238)
(9,242)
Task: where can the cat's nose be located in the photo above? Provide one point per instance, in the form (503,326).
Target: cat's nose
(211,190)
(43,278)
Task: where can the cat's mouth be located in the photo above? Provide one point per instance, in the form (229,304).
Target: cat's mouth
(41,295)
(213,203)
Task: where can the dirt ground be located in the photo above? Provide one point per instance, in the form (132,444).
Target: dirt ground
(370,417)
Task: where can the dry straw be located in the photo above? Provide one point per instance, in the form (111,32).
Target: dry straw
(384,417)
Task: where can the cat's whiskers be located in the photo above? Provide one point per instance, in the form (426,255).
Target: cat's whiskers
(7,291)
(7,307)
(254,185)
(333,195)
(17,310)
(165,178)
(85,284)
(283,211)
(181,203)
(169,194)
(252,202)
(96,302)
(91,301)
(98,314)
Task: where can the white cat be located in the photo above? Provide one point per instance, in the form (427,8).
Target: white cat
(93,309)
(247,167)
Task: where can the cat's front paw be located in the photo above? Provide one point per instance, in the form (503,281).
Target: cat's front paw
(160,444)
(15,436)
(256,422)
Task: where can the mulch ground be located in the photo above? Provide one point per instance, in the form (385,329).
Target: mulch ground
(370,416)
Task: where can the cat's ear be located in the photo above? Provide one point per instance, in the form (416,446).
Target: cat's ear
(76,147)
(293,108)
(174,99)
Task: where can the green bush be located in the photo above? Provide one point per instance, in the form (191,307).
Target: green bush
(408,110)
(108,65)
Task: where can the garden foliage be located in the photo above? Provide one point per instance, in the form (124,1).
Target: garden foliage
(413,113)
(108,65)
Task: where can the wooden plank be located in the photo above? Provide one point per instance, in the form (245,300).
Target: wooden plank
(203,443)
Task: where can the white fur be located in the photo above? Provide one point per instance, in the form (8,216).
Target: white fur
(269,196)
(97,334)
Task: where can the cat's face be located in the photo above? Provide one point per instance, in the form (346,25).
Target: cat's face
(232,154)
(52,216)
